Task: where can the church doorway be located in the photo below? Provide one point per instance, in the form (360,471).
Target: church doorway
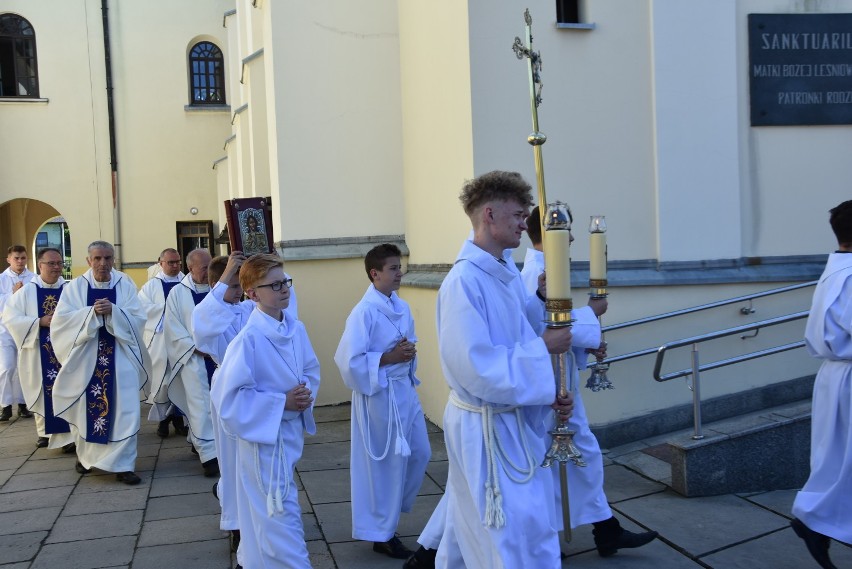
(35,225)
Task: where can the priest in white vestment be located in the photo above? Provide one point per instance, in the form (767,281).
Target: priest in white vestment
(27,317)
(823,508)
(11,281)
(97,337)
(192,369)
(263,392)
(153,296)
(390,449)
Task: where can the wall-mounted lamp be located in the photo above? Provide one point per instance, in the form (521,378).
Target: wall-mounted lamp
(193,210)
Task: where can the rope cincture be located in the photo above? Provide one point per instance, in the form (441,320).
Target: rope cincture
(274,499)
(401,446)
(495,454)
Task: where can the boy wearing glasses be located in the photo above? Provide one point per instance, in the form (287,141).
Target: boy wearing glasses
(263,396)
(215,323)
(390,448)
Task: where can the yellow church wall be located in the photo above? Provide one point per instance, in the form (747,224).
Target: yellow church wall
(164,153)
(165,148)
(57,156)
(437,125)
(337,118)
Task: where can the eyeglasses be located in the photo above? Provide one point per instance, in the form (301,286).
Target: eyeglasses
(277,286)
(51,263)
(171,262)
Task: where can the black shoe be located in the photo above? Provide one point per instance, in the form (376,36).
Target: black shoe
(817,543)
(392,548)
(23,412)
(610,537)
(211,468)
(6,413)
(69,448)
(193,450)
(81,469)
(235,540)
(42,442)
(423,558)
(128,477)
(180,428)
(163,428)
(215,490)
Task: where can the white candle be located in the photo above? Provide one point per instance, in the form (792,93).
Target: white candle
(597,256)
(557,263)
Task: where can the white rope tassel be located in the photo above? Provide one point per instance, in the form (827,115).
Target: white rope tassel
(402,448)
(495,454)
(274,497)
(494,516)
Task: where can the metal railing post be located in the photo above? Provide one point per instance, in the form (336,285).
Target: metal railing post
(696,393)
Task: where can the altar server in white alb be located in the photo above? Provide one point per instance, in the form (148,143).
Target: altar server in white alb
(587,500)
(153,295)
(823,508)
(389,445)
(192,369)
(215,323)
(263,393)
(97,337)
(502,393)
(11,281)
(27,317)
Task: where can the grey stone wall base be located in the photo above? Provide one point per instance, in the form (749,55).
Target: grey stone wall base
(681,417)
(773,458)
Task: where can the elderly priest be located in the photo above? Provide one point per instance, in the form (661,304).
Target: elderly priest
(97,337)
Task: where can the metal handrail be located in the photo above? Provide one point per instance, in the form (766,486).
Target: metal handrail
(701,307)
(661,351)
(697,368)
(684,311)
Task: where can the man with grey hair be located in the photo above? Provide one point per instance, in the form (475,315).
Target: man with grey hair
(153,296)
(97,337)
(192,369)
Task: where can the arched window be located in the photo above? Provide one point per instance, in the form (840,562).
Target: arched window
(18,70)
(207,74)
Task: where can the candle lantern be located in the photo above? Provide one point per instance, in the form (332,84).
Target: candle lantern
(556,242)
(597,256)
(598,379)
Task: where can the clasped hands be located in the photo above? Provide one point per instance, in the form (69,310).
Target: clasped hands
(299,398)
(404,351)
(102,306)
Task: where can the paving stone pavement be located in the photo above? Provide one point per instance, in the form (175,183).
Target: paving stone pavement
(52,517)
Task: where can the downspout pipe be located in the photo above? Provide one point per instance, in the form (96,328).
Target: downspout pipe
(113,160)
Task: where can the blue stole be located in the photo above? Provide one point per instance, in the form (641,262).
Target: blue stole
(209,364)
(47,299)
(167,288)
(101,388)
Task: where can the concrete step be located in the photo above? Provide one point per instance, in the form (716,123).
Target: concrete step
(758,451)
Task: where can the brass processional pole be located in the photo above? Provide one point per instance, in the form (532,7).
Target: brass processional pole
(556,238)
